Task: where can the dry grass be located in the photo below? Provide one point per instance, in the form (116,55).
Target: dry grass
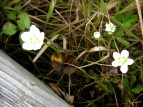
(72,25)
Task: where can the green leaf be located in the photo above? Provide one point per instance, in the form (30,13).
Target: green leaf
(127,24)
(119,32)
(136,52)
(125,29)
(133,79)
(128,19)
(9,28)
(126,82)
(8,8)
(96,5)
(104,7)
(87,80)
(21,24)
(17,8)
(136,90)
(91,71)
(133,72)
(114,80)
(118,17)
(51,8)
(92,93)
(123,42)
(101,39)
(24,21)
(12,15)
(127,99)
(133,18)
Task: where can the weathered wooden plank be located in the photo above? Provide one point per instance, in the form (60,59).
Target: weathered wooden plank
(19,88)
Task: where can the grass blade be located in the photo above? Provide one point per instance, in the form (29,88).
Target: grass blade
(51,8)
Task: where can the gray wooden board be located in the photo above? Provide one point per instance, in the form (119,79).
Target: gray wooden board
(20,88)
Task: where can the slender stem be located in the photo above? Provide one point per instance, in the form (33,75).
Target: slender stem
(115,43)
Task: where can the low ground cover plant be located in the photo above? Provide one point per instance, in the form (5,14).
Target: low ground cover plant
(90,51)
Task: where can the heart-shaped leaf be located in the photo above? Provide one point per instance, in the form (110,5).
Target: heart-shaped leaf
(9,28)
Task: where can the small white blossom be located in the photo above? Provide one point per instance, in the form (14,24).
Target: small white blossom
(110,27)
(96,35)
(122,60)
(33,40)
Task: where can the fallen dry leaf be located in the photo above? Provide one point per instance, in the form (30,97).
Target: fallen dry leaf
(56,89)
(68,98)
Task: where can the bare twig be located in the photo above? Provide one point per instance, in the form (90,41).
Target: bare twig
(140,15)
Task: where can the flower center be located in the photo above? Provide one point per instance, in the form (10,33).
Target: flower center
(111,27)
(122,60)
(34,39)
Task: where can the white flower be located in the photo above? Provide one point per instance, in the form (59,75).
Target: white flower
(110,27)
(122,60)
(33,40)
(96,35)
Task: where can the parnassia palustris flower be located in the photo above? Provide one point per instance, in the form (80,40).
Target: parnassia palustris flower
(33,39)
(59,60)
(122,59)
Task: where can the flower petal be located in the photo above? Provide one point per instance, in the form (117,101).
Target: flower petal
(41,36)
(30,46)
(110,27)
(37,46)
(25,36)
(124,68)
(96,35)
(116,55)
(125,53)
(27,46)
(130,61)
(34,29)
(115,63)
